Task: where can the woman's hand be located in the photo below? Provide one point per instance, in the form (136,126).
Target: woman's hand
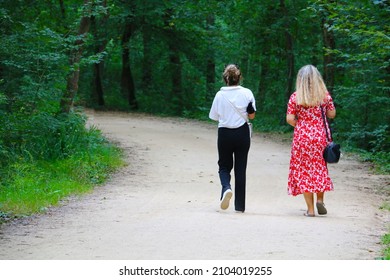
(331,114)
(291,119)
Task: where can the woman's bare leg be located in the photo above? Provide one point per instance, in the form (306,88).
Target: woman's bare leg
(309,199)
(320,197)
(320,204)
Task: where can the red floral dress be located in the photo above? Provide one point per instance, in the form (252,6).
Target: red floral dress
(308,169)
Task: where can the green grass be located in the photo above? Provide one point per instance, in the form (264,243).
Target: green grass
(32,187)
(385,206)
(386,242)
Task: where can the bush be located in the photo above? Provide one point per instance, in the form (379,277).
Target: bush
(30,185)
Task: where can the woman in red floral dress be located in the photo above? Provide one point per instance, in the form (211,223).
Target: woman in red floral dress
(308,174)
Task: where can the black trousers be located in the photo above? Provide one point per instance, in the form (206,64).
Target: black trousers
(233,148)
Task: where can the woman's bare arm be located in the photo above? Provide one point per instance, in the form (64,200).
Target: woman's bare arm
(331,114)
(291,120)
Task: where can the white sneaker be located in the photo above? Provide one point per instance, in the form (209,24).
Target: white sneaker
(227,195)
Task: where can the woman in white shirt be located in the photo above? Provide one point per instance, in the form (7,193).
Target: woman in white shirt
(233,105)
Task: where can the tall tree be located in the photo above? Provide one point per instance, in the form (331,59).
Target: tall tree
(147,57)
(127,81)
(75,58)
(210,67)
(288,49)
(100,39)
(329,45)
(175,64)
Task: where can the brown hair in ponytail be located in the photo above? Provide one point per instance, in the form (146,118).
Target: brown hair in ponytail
(232,75)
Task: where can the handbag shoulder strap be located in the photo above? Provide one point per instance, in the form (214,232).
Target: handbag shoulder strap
(235,108)
(325,124)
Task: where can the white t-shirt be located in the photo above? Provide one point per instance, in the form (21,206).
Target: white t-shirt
(223,112)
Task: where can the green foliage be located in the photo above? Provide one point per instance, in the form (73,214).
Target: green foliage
(44,155)
(386,242)
(28,187)
(41,136)
(361,61)
(381,160)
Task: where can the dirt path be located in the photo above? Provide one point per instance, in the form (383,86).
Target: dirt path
(164,205)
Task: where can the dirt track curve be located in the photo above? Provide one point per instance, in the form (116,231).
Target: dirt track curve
(164,205)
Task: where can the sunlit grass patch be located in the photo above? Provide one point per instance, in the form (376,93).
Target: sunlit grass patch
(33,187)
(386,242)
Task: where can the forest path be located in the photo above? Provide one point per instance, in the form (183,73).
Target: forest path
(165,205)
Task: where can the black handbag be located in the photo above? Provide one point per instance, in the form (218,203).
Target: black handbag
(332,150)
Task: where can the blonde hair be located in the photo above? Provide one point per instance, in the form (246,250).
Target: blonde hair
(232,75)
(310,87)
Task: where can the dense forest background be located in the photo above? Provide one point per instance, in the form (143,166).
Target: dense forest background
(166,57)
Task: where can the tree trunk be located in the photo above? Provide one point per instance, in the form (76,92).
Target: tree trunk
(62,8)
(147,61)
(330,44)
(210,68)
(264,73)
(127,82)
(67,99)
(289,51)
(175,61)
(97,87)
(175,64)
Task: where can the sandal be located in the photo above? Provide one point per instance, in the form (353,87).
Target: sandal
(308,215)
(321,208)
